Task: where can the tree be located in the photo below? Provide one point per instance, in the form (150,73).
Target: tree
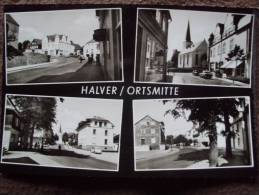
(20,46)
(65,137)
(169,139)
(237,54)
(181,139)
(174,58)
(205,114)
(229,108)
(36,112)
(26,44)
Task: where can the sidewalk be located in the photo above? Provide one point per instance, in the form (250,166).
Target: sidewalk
(145,155)
(41,159)
(32,66)
(231,81)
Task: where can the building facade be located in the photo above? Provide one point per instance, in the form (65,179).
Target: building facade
(109,37)
(13,127)
(193,55)
(149,134)
(236,31)
(12,31)
(151,50)
(92,49)
(240,127)
(96,132)
(36,46)
(57,45)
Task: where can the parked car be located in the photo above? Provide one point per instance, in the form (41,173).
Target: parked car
(96,150)
(206,74)
(195,72)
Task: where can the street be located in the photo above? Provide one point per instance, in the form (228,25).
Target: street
(65,159)
(182,159)
(189,78)
(63,69)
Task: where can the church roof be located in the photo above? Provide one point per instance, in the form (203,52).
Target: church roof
(193,47)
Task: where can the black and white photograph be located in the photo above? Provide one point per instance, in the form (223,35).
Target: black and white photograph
(62,132)
(194,47)
(184,134)
(63,46)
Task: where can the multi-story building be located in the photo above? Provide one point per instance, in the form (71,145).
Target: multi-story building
(12,31)
(149,134)
(96,132)
(109,37)
(13,127)
(151,50)
(92,49)
(236,31)
(193,55)
(36,46)
(240,127)
(57,45)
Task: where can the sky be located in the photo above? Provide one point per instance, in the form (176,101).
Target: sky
(73,110)
(202,24)
(78,25)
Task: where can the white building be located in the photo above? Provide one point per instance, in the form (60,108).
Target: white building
(57,45)
(92,48)
(96,132)
(236,30)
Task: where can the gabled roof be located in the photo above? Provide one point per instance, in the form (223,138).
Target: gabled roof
(95,118)
(147,116)
(37,41)
(10,19)
(194,47)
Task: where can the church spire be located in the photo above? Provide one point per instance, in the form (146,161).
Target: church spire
(188,33)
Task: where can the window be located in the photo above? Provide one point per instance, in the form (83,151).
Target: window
(105,141)
(95,123)
(100,124)
(153,131)
(106,132)
(105,124)
(153,140)
(94,131)
(142,141)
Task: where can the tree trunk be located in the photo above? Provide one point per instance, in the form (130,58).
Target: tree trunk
(213,156)
(31,136)
(228,153)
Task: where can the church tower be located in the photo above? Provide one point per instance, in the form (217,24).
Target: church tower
(188,42)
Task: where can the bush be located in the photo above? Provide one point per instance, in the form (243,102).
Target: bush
(167,147)
(12,51)
(154,147)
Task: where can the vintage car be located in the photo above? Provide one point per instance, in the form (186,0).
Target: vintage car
(206,74)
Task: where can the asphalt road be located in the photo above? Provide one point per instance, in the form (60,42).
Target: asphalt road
(171,161)
(83,162)
(189,78)
(62,65)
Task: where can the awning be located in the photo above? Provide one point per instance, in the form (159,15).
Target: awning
(231,64)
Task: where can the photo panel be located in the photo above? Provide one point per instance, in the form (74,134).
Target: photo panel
(189,134)
(189,47)
(63,46)
(62,132)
